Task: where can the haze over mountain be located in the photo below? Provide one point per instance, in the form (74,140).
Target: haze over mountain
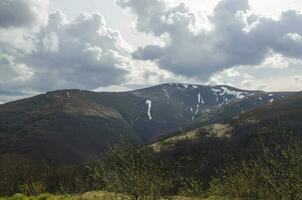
(73,126)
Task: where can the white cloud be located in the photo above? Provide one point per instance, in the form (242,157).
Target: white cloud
(240,37)
(51,42)
(233,45)
(81,53)
(264,78)
(231,72)
(298,79)
(276,61)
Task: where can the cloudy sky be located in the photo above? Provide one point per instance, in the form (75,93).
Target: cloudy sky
(114,45)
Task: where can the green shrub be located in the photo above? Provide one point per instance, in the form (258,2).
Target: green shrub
(276,174)
(130,169)
(18,197)
(190,186)
(34,188)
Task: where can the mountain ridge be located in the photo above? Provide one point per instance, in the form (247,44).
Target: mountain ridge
(79,124)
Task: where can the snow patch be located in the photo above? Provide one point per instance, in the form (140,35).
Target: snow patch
(242,96)
(228,95)
(149,104)
(199,98)
(226,91)
(166,93)
(216,90)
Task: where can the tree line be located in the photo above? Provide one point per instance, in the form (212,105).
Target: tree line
(135,170)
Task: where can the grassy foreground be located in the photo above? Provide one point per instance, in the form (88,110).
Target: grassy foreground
(93,196)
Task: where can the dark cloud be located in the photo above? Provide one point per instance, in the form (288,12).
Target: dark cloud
(150,52)
(237,37)
(39,53)
(83,53)
(22,13)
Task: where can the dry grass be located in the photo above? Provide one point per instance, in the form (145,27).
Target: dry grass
(214,130)
(219,130)
(169,143)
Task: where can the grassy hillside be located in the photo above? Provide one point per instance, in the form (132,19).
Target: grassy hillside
(211,147)
(60,127)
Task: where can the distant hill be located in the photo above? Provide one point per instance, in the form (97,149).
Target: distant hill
(288,110)
(74,126)
(284,112)
(203,150)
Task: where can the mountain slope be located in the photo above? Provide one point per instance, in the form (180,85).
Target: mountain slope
(60,128)
(205,149)
(284,112)
(73,126)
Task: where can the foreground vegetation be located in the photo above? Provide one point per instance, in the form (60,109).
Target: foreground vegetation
(273,171)
(275,174)
(97,196)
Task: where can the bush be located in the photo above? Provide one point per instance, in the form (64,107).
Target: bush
(190,186)
(130,169)
(34,188)
(67,179)
(276,174)
(15,172)
(19,174)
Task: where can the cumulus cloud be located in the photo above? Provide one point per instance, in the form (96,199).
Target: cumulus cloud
(82,53)
(275,61)
(238,37)
(263,77)
(41,51)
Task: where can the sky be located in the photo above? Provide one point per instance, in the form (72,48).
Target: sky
(118,45)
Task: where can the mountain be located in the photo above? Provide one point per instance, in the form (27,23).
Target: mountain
(74,126)
(206,149)
(282,113)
